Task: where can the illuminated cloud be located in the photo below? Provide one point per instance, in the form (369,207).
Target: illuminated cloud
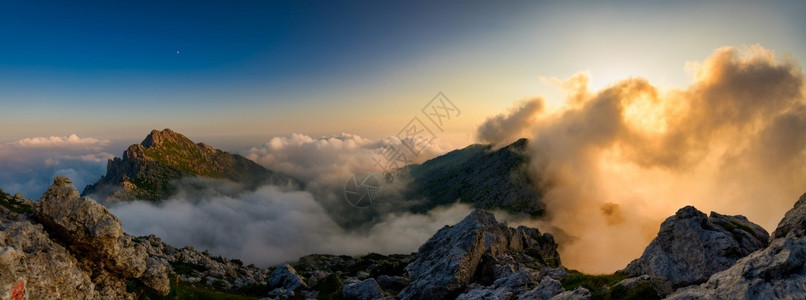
(59,141)
(504,129)
(615,162)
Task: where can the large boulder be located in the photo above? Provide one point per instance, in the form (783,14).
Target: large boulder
(776,272)
(481,251)
(690,247)
(94,235)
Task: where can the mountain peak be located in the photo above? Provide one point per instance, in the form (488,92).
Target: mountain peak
(146,171)
(156,137)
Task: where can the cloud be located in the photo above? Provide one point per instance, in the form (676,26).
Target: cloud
(30,164)
(325,164)
(506,128)
(59,141)
(615,162)
(271,225)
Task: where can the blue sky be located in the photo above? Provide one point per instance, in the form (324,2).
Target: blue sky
(265,68)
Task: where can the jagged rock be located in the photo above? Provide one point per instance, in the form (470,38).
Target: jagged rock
(794,222)
(580,293)
(477,249)
(368,289)
(548,287)
(45,270)
(776,272)
(690,247)
(96,238)
(284,276)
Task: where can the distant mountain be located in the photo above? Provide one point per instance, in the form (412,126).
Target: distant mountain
(147,170)
(478,175)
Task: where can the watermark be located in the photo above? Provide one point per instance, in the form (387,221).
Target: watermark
(360,190)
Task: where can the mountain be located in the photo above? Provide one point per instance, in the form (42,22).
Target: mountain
(478,175)
(147,170)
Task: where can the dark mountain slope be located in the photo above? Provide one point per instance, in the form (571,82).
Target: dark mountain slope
(478,175)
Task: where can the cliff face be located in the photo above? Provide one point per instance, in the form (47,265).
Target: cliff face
(147,170)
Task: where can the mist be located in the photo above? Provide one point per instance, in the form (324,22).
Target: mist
(272,225)
(616,162)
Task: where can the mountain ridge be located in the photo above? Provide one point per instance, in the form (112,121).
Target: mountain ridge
(147,170)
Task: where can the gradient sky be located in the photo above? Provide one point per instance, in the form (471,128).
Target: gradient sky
(116,70)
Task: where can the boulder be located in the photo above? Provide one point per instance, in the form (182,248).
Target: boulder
(284,276)
(367,289)
(477,250)
(776,272)
(690,247)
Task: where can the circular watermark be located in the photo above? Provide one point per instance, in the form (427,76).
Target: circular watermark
(362,190)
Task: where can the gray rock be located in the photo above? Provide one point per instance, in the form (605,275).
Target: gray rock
(776,272)
(548,287)
(367,289)
(284,276)
(45,269)
(478,249)
(580,293)
(392,283)
(690,247)
(506,287)
(659,284)
(794,222)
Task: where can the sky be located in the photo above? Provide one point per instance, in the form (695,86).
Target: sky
(238,74)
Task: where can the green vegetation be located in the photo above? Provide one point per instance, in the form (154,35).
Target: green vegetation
(330,288)
(187,268)
(13,205)
(598,285)
(643,291)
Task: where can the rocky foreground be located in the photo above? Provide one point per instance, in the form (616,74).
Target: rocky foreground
(69,247)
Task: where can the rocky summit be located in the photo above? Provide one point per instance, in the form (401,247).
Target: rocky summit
(480,258)
(148,170)
(690,247)
(775,272)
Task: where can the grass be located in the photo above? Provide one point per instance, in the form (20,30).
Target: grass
(604,286)
(7,201)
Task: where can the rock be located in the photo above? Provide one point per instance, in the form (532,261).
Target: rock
(95,237)
(284,276)
(794,222)
(89,229)
(44,269)
(548,287)
(392,283)
(505,287)
(690,247)
(156,275)
(659,284)
(477,249)
(367,289)
(776,272)
(580,293)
